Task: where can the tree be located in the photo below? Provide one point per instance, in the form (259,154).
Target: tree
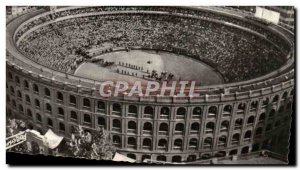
(95,145)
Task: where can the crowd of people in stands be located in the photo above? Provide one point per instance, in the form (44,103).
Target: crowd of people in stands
(235,53)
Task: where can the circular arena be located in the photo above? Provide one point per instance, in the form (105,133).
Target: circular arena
(243,68)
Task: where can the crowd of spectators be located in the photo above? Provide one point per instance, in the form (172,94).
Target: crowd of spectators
(237,54)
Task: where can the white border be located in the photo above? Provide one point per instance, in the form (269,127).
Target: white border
(4,3)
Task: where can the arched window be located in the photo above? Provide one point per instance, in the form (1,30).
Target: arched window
(37,103)
(161,158)
(38,117)
(26,84)
(73,116)
(72,100)
(163,128)
(178,144)
(116,125)
(47,92)
(238,123)
(258,131)
(61,111)
(275,99)
(131,126)
(50,123)
(212,111)
(162,144)
(131,142)
(48,108)
(195,127)
(262,117)
(35,88)
(164,113)
(227,110)
(132,109)
(284,96)
(27,98)
(245,150)
(100,105)
(197,112)
(235,139)
(148,112)
(61,127)
(180,113)
(225,125)
(147,144)
(29,113)
(210,127)
(253,106)
(60,96)
(193,143)
(250,120)
(19,94)
(87,119)
(248,135)
(101,122)
(241,108)
(117,108)
(233,152)
(292,92)
(17,80)
(147,129)
(86,103)
(179,128)
(176,159)
(222,141)
(207,142)
(117,141)
(265,102)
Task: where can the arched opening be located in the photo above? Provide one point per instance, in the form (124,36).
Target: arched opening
(72,100)
(35,88)
(227,111)
(207,142)
(47,92)
(26,84)
(147,144)
(233,152)
(132,109)
(250,120)
(212,112)
(285,95)
(132,156)
(100,106)
(197,112)
(87,119)
(117,141)
(19,94)
(210,127)
(176,159)
(38,118)
(245,150)
(163,129)
(235,139)
(117,109)
(275,99)
(49,122)
(193,144)
(272,113)
(191,158)
(225,125)
(238,123)
(131,127)
(27,98)
(116,125)
(222,141)
(161,158)
(147,129)
(131,142)
(162,144)
(248,135)
(180,113)
(61,127)
(101,122)
(262,117)
(60,96)
(179,128)
(195,128)
(61,112)
(164,113)
(86,103)
(48,108)
(21,109)
(146,157)
(265,102)
(241,108)
(37,104)
(253,106)
(148,112)
(17,80)
(29,113)
(73,116)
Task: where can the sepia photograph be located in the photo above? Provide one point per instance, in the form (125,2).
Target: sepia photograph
(151,85)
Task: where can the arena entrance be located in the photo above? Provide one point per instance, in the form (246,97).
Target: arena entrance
(135,65)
